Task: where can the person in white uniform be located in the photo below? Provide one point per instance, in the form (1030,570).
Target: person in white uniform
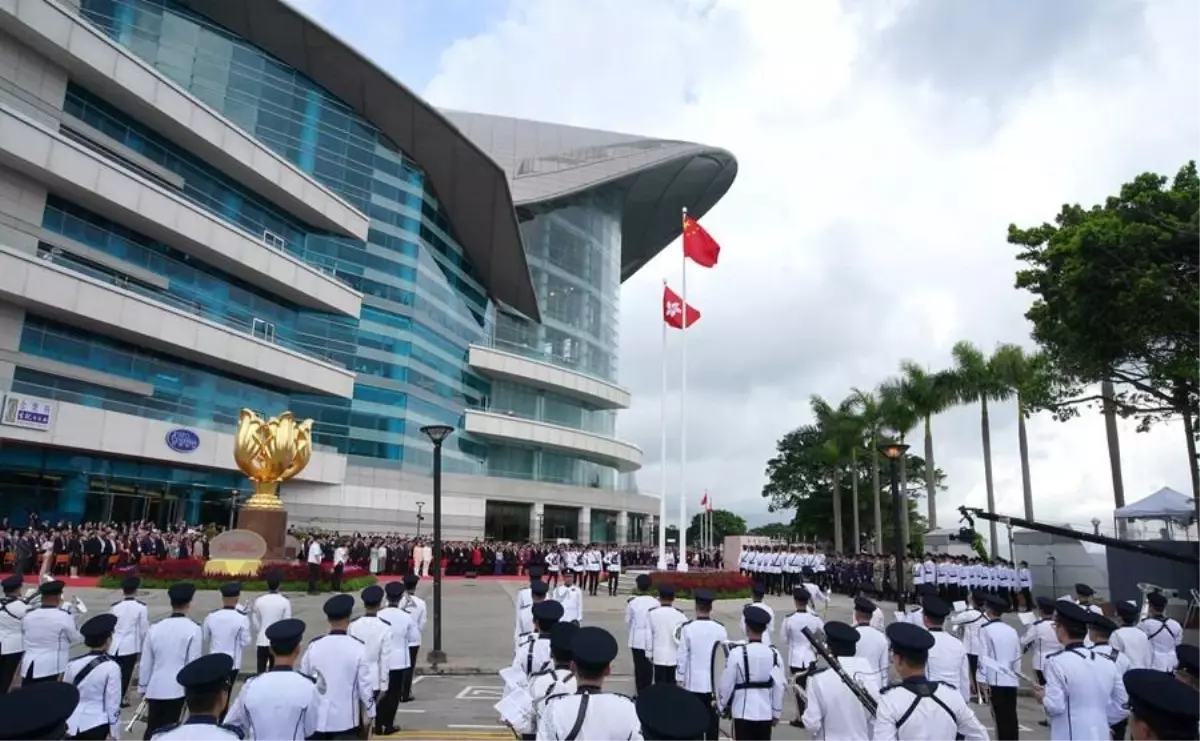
(533,653)
(268,609)
(337,662)
(637,621)
(1041,637)
(872,644)
(37,711)
(281,703)
(665,620)
(670,712)
(612,565)
(12,633)
(697,638)
(758,592)
(376,636)
(947,662)
(832,710)
(415,607)
(999,662)
(226,630)
(1100,629)
(98,679)
(49,633)
(917,709)
(1160,706)
(315,555)
(172,643)
(752,684)
(801,656)
(570,596)
(1164,633)
(404,632)
(206,684)
(590,713)
(1131,640)
(526,598)
(133,625)
(1081,692)
(558,679)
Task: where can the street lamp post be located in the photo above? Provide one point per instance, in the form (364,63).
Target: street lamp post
(1096,525)
(895,453)
(437,434)
(421,506)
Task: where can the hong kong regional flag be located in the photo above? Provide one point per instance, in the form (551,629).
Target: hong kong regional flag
(673,308)
(698,245)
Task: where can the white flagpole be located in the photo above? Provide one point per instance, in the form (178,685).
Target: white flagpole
(683,490)
(662,486)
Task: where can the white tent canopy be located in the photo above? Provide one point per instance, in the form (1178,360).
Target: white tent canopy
(1164,504)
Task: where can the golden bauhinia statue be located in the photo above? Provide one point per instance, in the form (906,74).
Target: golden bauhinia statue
(269,451)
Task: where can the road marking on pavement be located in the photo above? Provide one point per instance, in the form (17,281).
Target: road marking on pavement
(417,679)
(450,735)
(409,710)
(479,692)
(478,728)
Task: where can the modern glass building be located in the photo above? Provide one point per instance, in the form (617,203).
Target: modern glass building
(210,205)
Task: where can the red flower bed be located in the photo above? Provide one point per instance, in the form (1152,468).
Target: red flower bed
(727,584)
(293,574)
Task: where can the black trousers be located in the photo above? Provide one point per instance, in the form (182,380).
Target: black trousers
(349,735)
(713,720)
(385,713)
(125,663)
(407,685)
(263,660)
(98,733)
(643,670)
(664,674)
(1004,712)
(39,680)
(337,577)
(803,682)
(972,667)
(1118,730)
(593,579)
(614,582)
(9,663)
(161,713)
(752,730)
(314,570)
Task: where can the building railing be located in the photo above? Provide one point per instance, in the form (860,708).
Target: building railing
(609,431)
(558,361)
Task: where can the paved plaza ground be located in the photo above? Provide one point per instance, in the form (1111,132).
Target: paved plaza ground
(477,638)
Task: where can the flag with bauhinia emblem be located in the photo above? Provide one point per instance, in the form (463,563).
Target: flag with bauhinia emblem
(675,313)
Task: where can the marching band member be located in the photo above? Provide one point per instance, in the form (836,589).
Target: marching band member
(206,685)
(268,609)
(533,653)
(637,620)
(1160,707)
(664,619)
(947,662)
(226,629)
(752,684)
(133,625)
(525,599)
(12,633)
(592,565)
(98,679)
(281,703)
(872,644)
(49,634)
(1164,633)
(553,566)
(37,711)
(969,621)
(376,636)
(833,710)
(336,661)
(918,709)
(694,657)
(1131,640)
(1099,630)
(415,607)
(554,680)
(1081,693)
(801,655)
(590,712)
(1042,637)
(758,591)
(612,564)
(668,713)
(999,662)
(171,644)
(570,596)
(404,633)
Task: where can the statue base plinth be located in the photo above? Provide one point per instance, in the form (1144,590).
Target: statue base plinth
(232,566)
(271,524)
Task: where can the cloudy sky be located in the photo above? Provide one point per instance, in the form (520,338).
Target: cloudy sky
(884,146)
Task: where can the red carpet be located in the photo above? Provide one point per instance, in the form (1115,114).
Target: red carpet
(80,582)
(86,582)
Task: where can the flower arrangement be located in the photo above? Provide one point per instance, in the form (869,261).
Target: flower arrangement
(726,584)
(293,574)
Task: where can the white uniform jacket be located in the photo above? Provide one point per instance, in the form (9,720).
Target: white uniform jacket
(376,635)
(99,693)
(637,620)
(833,711)
(1135,644)
(404,634)
(133,625)
(664,620)
(49,634)
(925,711)
(336,663)
(415,606)
(948,663)
(278,705)
(693,662)
(752,683)
(533,654)
(1164,634)
(571,598)
(873,646)
(1083,693)
(767,638)
(1041,638)
(170,645)
(12,633)
(198,728)
(226,630)
(605,716)
(268,609)
(800,651)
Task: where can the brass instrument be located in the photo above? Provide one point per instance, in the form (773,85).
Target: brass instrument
(860,693)
(139,716)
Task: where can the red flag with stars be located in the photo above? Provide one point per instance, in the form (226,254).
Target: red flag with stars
(698,245)
(675,311)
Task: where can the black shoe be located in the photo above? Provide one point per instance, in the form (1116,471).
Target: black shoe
(796,723)
(406,699)
(1045,723)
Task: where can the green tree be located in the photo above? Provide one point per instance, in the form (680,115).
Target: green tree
(928,394)
(724,523)
(870,415)
(1117,298)
(775,531)
(1020,372)
(840,437)
(976,380)
(899,418)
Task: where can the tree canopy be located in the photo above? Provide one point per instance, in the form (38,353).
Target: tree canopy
(775,531)
(724,523)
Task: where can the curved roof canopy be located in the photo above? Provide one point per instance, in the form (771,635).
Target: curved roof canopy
(549,163)
(473,189)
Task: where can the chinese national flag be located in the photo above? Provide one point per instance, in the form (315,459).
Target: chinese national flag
(673,310)
(698,245)
(704,500)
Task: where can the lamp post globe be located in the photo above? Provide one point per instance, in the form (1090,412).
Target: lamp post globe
(894,452)
(437,434)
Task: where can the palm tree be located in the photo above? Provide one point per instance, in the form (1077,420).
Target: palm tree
(899,418)
(836,423)
(977,380)
(928,394)
(870,415)
(1018,372)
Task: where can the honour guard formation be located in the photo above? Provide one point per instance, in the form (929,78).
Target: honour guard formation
(700,668)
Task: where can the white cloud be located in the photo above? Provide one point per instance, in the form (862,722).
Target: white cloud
(867,222)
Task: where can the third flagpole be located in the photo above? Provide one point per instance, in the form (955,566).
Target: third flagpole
(662,486)
(683,490)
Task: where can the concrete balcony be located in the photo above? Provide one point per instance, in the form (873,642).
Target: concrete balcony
(603,450)
(510,366)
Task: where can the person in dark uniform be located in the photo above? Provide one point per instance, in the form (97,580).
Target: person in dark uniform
(1160,706)
(668,712)
(37,711)
(1188,670)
